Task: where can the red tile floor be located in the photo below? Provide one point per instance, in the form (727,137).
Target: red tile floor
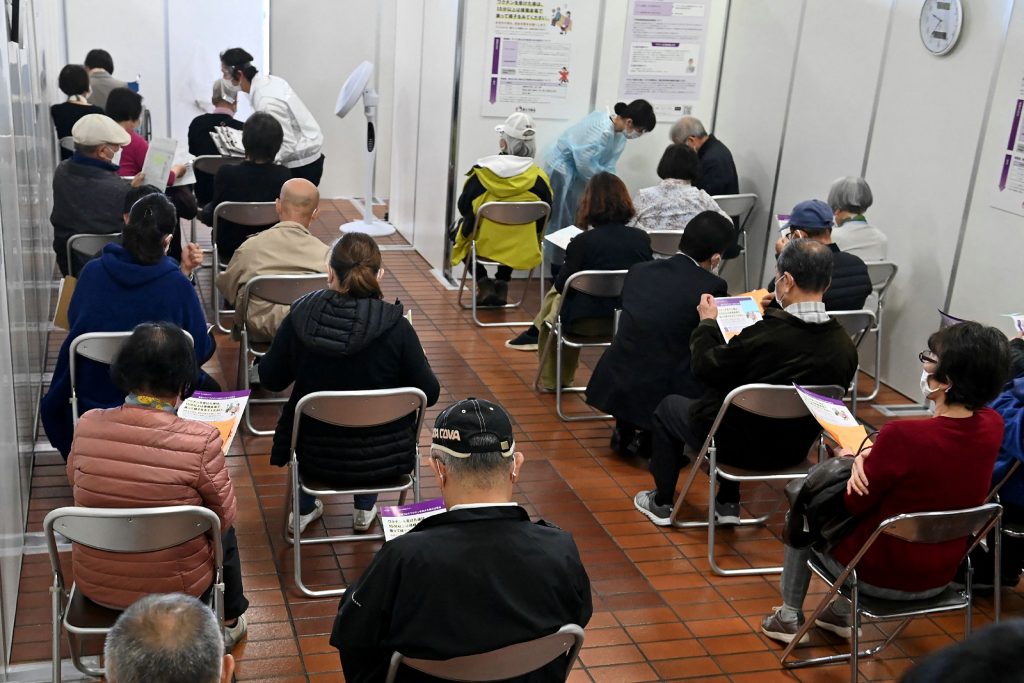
(659,614)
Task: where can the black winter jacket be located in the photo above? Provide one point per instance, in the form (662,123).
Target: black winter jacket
(851,283)
(817,515)
(331,342)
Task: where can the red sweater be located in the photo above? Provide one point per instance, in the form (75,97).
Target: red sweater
(940,463)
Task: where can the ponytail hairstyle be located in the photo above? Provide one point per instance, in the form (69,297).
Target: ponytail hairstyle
(640,112)
(150,221)
(355,260)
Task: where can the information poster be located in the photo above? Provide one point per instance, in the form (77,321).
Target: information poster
(1008,194)
(662,55)
(537,50)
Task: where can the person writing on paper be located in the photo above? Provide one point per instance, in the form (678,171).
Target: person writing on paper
(851,282)
(939,463)
(672,203)
(73,82)
(797,342)
(473,579)
(509,176)
(346,338)
(125,286)
(649,358)
(142,455)
(606,243)
(300,150)
(225,104)
(850,198)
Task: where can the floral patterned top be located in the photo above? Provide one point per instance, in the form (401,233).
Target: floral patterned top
(670,205)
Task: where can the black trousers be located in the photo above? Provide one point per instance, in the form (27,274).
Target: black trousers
(671,434)
(311,172)
(504,273)
(235,602)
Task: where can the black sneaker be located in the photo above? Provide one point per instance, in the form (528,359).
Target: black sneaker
(527,341)
(727,514)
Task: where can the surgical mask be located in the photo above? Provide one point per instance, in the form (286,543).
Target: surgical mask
(229,90)
(926,390)
(632,134)
(717,268)
(778,297)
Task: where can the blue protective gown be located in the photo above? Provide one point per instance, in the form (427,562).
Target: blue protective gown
(581,152)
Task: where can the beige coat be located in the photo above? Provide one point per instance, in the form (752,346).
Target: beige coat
(288,248)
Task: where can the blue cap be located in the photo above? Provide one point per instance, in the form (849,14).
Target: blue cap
(812,214)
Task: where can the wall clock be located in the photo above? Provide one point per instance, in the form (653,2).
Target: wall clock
(940,24)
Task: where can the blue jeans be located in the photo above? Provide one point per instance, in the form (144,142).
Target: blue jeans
(363,501)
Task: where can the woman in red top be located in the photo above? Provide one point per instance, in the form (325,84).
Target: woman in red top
(941,463)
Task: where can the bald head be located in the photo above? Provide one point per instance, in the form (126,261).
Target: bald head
(298,201)
(686,128)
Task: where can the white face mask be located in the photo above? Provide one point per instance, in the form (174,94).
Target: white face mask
(632,134)
(926,389)
(717,268)
(229,91)
(778,297)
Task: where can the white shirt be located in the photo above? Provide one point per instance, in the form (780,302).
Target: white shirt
(302,136)
(670,205)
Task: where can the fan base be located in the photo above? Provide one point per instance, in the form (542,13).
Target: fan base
(374,229)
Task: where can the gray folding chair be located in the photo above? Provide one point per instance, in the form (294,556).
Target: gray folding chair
(241,213)
(741,205)
(67,143)
(275,289)
(767,400)
(119,530)
(211,163)
(857,324)
(87,246)
(601,283)
(502,215)
(919,527)
(356,409)
(511,661)
(882,274)
(665,242)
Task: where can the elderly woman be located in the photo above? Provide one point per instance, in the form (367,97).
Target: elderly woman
(509,176)
(73,81)
(125,286)
(141,454)
(940,463)
(850,198)
(673,202)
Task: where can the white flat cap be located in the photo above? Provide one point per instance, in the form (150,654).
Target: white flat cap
(99,129)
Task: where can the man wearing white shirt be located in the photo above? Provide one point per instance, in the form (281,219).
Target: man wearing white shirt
(475,578)
(300,151)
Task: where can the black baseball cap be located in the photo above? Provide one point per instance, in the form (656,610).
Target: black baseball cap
(473,425)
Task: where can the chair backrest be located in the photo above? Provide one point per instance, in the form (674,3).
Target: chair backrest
(511,661)
(741,205)
(942,526)
(604,283)
(97,346)
(369,408)
(881,274)
(856,323)
(211,163)
(67,142)
(775,401)
(513,213)
(665,242)
(246,213)
(279,289)
(87,245)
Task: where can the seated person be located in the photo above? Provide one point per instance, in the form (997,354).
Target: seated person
(225,103)
(346,338)
(125,286)
(125,107)
(850,198)
(100,66)
(798,343)
(78,260)
(476,578)
(851,283)
(607,243)
(73,82)
(87,192)
(286,248)
(141,454)
(509,176)
(170,637)
(938,463)
(673,203)
(717,170)
(650,354)
(257,179)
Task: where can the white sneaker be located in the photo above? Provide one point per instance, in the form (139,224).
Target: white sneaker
(362,519)
(307,519)
(233,634)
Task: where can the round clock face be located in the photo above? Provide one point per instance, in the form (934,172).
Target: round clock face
(940,24)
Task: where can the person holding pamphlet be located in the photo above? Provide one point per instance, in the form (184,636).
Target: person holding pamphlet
(796,343)
(475,578)
(142,454)
(939,463)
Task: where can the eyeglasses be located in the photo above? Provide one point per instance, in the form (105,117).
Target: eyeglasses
(927,357)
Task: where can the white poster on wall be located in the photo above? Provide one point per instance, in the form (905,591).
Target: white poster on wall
(535,49)
(663,52)
(1008,194)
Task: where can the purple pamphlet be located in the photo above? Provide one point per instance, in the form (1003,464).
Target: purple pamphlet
(399,519)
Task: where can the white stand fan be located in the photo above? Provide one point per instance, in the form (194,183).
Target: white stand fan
(357,86)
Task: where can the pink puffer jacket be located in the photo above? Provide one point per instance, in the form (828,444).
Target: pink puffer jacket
(143,457)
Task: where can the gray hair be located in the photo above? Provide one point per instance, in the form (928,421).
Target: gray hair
(163,639)
(86,150)
(519,148)
(809,262)
(851,194)
(481,470)
(688,126)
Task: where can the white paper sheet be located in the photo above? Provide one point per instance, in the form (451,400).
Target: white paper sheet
(158,162)
(561,238)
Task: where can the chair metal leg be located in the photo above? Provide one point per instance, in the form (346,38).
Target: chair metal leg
(997,556)
(746,265)
(713,525)
(878,359)
(560,389)
(56,616)
(969,618)
(470,264)
(854,635)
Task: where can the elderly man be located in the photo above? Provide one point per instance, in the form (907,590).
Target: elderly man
(717,170)
(100,65)
(799,343)
(473,579)
(286,248)
(171,637)
(225,103)
(88,195)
